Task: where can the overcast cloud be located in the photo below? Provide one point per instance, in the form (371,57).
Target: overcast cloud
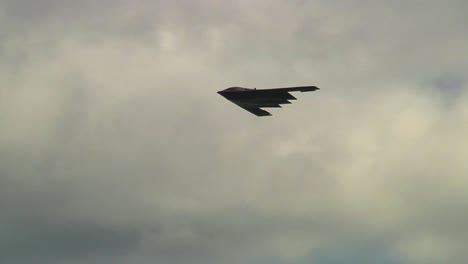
(115,147)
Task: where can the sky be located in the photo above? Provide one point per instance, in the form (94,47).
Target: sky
(116,148)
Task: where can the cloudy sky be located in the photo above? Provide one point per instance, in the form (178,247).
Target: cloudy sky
(116,148)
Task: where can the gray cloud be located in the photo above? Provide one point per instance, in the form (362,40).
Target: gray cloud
(114,146)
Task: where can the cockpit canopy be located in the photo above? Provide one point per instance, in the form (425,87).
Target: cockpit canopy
(236,89)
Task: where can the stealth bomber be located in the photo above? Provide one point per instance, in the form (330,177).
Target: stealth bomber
(254,99)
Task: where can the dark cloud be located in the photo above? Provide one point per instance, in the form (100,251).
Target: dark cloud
(115,147)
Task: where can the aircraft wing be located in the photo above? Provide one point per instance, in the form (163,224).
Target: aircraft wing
(280,95)
(292,89)
(254,110)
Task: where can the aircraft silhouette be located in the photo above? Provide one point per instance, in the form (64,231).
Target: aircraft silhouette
(252,99)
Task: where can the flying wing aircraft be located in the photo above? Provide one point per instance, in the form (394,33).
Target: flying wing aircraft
(253,99)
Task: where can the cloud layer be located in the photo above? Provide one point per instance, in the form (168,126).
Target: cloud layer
(115,147)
